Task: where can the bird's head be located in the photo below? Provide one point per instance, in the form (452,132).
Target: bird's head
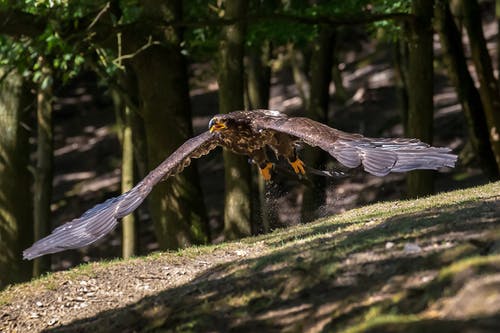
(217,124)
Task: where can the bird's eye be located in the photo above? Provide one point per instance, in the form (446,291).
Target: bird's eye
(211,123)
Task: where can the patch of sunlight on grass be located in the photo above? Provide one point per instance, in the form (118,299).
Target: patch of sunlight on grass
(240,300)
(372,323)
(6,297)
(471,262)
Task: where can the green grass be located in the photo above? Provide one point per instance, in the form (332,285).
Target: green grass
(335,274)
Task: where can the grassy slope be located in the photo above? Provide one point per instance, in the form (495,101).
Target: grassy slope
(408,266)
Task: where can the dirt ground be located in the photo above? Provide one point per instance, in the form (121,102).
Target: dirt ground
(403,266)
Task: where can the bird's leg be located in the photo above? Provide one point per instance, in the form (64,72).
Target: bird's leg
(297,164)
(284,145)
(265,170)
(265,167)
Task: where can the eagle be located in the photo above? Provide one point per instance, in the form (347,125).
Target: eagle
(253,133)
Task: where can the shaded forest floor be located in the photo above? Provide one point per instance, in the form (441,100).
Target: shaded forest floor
(424,265)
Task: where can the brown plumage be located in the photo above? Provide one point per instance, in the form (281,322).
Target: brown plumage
(250,133)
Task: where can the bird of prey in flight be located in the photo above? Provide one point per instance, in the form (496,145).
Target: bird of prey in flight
(250,133)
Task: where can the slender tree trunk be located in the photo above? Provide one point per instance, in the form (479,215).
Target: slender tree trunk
(124,121)
(237,212)
(401,71)
(127,95)
(258,89)
(299,72)
(16,214)
(44,169)
(497,15)
(139,150)
(321,76)
(176,205)
(456,63)
(488,85)
(420,99)
(129,247)
(259,75)
(341,95)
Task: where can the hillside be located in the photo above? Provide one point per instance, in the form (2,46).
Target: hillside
(431,264)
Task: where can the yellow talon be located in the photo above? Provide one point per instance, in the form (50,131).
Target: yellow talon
(266,171)
(298,166)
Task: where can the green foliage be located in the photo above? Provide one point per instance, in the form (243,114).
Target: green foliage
(130,10)
(56,46)
(66,41)
(65,44)
(202,39)
(281,21)
(389,6)
(391,29)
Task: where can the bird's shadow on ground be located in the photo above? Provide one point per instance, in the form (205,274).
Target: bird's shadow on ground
(325,278)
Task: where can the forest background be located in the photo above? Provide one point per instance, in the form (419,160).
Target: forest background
(94,94)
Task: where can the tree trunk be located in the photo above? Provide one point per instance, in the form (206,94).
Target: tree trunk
(237,212)
(176,205)
(321,76)
(488,85)
(16,214)
(341,95)
(258,90)
(299,72)
(259,75)
(401,73)
(456,63)
(44,169)
(497,15)
(129,247)
(124,122)
(420,99)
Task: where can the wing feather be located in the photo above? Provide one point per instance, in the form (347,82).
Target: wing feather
(98,221)
(378,156)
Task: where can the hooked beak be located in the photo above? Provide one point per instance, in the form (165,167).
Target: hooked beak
(216,125)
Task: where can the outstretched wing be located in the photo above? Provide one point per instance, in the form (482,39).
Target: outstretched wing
(102,218)
(378,156)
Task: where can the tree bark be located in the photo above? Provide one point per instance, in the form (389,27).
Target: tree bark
(16,214)
(488,85)
(420,99)
(341,95)
(124,121)
(497,15)
(321,76)
(456,63)
(129,247)
(44,166)
(237,211)
(299,72)
(176,205)
(259,75)
(401,73)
